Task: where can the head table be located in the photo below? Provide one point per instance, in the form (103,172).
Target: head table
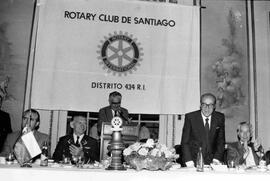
(15,173)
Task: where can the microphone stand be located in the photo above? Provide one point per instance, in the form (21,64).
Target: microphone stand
(122,116)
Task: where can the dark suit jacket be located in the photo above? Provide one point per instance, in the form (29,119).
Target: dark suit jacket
(105,115)
(235,152)
(193,137)
(90,148)
(13,137)
(5,127)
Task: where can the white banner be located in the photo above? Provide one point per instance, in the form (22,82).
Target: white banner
(149,52)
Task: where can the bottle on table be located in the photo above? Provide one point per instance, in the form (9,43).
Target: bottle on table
(199,161)
(44,155)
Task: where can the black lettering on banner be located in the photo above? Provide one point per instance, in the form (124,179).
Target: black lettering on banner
(171,23)
(154,22)
(79,15)
(66,14)
(94,85)
(109,18)
(140,87)
(99,85)
(106,85)
(126,19)
(119,86)
(72,15)
(115,85)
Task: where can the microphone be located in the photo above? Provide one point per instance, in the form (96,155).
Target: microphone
(122,116)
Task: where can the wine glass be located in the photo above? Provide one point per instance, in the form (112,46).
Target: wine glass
(80,162)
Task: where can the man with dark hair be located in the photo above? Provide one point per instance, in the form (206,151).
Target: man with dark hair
(107,113)
(243,152)
(204,128)
(30,122)
(5,127)
(77,144)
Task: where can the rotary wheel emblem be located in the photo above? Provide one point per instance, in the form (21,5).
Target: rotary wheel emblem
(116,122)
(120,53)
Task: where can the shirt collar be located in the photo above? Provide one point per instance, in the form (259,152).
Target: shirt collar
(204,117)
(209,119)
(75,137)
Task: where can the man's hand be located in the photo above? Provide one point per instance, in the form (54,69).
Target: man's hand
(257,144)
(76,151)
(129,120)
(190,164)
(216,162)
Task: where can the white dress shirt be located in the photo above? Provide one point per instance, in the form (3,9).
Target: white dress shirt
(248,156)
(75,138)
(209,120)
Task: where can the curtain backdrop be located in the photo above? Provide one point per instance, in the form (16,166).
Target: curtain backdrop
(170,129)
(86,49)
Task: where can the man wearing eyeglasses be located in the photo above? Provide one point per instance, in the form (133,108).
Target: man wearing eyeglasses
(204,128)
(107,113)
(30,122)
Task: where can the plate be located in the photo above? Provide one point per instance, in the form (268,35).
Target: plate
(92,166)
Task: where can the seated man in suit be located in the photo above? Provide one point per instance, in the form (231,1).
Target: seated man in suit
(77,144)
(5,127)
(30,122)
(243,152)
(204,128)
(107,113)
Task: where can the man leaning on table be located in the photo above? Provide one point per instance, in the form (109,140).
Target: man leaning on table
(204,128)
(244,152)
(77,144)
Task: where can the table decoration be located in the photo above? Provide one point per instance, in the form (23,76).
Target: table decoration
(150,155)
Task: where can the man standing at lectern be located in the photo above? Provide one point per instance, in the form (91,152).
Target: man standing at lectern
(107,113)
(204,128)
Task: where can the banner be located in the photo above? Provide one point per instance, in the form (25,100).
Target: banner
(149,52)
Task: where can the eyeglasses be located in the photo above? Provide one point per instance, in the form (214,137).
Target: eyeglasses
(204,105)
(31,119)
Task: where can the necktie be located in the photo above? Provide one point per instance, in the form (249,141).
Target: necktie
(245,149)
(245,153)
(206,127)
(77,141)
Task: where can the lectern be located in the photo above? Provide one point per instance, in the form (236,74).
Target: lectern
(129,136)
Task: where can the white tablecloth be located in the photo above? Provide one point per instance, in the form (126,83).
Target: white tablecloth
(36,173)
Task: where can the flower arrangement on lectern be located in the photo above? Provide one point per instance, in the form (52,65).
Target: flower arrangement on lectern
(150,155)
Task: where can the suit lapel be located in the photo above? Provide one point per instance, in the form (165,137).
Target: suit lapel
(70,139)
(36,135)
(84,141)
(201,129)
(109,115)
(213,125)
